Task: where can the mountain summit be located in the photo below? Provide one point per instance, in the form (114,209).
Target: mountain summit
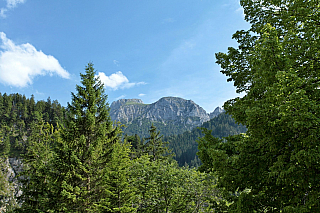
(174,110)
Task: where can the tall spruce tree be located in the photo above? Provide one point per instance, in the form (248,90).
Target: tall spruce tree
(86,147)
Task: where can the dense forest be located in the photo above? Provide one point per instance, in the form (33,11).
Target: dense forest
(77,160)
(185,146)
(19,114)
(141,128)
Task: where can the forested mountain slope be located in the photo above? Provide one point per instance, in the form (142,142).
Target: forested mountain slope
(17,117)
(185,145)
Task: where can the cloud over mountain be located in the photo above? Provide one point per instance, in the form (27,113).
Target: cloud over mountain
(19,64)
(117,81)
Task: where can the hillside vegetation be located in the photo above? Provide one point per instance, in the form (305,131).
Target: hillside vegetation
(76,159)
(185,145)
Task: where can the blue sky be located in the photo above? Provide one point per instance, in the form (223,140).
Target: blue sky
(140,48)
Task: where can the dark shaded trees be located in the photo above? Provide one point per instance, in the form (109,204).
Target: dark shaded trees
(185,145)
(39,191)
(18,114)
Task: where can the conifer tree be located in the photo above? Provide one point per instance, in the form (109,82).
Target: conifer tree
(119,193)
(86,146)
(38,178)
(136,145)
(155,147)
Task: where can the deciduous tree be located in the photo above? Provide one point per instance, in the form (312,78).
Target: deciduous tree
(275,166)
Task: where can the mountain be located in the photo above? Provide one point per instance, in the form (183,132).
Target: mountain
(216,112)
(171,115)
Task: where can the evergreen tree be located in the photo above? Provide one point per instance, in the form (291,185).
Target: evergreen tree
(119,193)
(185,145)
(37,179)
(155,147)
(86,147)
(136,145)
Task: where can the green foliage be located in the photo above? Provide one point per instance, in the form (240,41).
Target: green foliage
(86,147)
(17,115)
(39,192)
(155,147)
(275,166)
(118,194)
(163,186)
(84,167)
(136,145)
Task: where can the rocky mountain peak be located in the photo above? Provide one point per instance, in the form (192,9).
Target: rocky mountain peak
(121,102)
(167,109)
(216,112)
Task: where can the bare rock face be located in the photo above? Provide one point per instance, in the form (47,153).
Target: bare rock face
(167,109)
(216,112)
(178,110)
(126,110)
(10,168)
(15,167)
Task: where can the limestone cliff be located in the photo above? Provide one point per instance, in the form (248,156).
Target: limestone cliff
(166,110)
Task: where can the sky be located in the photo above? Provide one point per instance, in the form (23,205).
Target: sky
(140,48)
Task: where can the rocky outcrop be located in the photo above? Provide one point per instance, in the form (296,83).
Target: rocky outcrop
(167,109)
(126,110)
(216,112)
(10,168)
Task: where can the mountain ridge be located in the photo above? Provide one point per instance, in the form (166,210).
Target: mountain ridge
(167,110)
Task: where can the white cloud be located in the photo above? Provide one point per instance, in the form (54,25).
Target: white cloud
(117,80)
(11,4)
(116,62)
(19,64)
(2,12)
(141,95)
